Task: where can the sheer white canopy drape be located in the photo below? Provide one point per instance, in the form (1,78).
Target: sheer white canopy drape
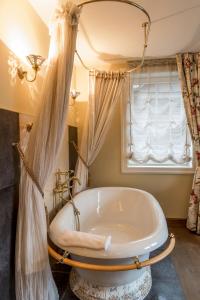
(104,92)
(33,275)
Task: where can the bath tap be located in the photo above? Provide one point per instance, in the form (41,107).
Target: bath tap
(71,186)
(74,178)
(64,184)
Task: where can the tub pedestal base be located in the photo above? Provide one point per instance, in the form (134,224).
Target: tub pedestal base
(136,290)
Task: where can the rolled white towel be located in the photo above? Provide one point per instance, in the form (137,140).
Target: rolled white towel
(69,238)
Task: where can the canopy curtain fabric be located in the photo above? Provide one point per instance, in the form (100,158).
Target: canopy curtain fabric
(34,279)
(104,92)
(189,74)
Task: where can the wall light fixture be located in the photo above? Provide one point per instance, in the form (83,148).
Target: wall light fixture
(35,61)
(74,94)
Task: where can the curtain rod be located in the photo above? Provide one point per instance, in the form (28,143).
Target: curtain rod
(121,1)
(145,25)
(154,62)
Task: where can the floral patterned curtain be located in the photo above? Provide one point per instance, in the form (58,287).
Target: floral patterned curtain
(189,74)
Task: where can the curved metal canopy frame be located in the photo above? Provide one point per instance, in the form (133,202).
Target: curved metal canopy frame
(145,25)
(115,268)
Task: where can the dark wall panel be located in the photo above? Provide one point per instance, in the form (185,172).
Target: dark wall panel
(8,217)
(9,133)
(9,177)
(73,136)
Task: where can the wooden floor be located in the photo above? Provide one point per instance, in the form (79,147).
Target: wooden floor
(186,258)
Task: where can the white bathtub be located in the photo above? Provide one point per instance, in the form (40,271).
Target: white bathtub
(137,225)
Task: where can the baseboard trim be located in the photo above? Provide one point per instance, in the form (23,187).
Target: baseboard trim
(176,219)
(176,222)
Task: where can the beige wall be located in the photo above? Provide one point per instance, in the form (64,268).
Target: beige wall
(22,32)
(21,29)
(172,191)
(16,95)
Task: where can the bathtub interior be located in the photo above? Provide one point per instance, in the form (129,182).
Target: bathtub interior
(132,217)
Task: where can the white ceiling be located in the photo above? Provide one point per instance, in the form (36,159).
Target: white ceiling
(110,31)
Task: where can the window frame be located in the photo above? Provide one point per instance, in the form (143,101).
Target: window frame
(144,169)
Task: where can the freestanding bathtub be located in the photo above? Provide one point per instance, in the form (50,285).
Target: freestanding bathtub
(137,225)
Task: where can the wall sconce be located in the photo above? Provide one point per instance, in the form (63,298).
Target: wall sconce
(36,61)
(74,94)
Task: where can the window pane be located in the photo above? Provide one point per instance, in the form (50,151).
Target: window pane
(156,122)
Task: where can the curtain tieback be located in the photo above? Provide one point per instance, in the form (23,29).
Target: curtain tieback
(79,155)
(29,171)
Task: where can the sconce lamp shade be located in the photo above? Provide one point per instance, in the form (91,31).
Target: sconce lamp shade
(36,61)
(74,94)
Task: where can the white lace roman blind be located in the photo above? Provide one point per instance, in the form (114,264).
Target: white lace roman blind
(157,130)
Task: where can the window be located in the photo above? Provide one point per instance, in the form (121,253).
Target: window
(155,132)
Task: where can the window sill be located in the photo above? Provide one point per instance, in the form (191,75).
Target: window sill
(156,170)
